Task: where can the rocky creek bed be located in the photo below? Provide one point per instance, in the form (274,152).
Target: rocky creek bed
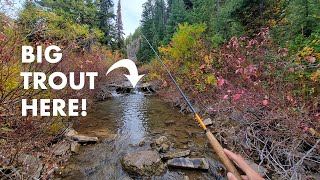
(139,137)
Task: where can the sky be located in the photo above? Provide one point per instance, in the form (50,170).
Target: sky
(131,13)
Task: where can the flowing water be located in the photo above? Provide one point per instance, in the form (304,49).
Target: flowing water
(136,118)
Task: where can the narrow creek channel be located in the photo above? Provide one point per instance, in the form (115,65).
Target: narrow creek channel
(136,118)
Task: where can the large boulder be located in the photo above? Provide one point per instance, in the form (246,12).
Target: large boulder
(189,163)
(143,163)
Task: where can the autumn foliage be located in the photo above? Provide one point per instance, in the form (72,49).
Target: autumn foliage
(273,94)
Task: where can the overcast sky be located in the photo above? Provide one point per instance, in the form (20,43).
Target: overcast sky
(131,13)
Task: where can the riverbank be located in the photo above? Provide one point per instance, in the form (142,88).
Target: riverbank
(260,133)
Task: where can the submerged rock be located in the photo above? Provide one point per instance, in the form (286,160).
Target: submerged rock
(164,148)
(176,155)
(143,163)
(161,140)
(189,163)
(170,122)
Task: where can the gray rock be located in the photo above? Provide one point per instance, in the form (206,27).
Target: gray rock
(143,163)
(104,134)
(73,135)
(170,122)
(261,170)
(126,178)
(186,178)
(61,149)
(32,163)
(70,132)
(164,148)
(161,140)
(189,163)
(176,155)
(75,147)
(133,48)
(142,143)
(207,122)
(84,139)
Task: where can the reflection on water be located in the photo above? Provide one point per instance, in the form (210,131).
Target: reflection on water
(134,118)
(134,109)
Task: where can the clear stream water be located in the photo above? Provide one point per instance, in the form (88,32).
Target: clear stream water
(135,118)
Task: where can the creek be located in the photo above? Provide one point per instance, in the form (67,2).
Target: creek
(131,119)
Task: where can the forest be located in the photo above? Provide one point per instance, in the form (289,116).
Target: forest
(256,62)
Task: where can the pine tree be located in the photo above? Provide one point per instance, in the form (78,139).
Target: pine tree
(147,28)
(119,28)
(177,15)
(106,17)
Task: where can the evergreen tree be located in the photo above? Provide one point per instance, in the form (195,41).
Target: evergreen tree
(106,16)
(119,28)
(94,13)
(147,28)
(177,15)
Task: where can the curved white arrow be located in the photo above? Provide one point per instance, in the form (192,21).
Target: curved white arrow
(134,77)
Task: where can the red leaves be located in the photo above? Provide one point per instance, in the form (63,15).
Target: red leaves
(236,97)
(291,70)
(2,37)
(311,59)
(202,66)
(221,82)
(265,102)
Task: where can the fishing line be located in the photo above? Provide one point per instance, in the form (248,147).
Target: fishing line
(212,140)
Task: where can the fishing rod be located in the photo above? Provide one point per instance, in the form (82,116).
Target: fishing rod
(212,139)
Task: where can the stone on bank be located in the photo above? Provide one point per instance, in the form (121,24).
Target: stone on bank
(143,163)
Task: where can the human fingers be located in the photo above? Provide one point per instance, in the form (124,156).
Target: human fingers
(233,177)
(239,161)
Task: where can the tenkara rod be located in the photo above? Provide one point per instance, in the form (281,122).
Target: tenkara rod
(212,139)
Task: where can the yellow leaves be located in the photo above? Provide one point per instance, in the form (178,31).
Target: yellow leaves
(10,77)
(154,76)
(273,23)
(56,127)
(212,80)
(306,51)
(315,76)
(207,59)
(184,43)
